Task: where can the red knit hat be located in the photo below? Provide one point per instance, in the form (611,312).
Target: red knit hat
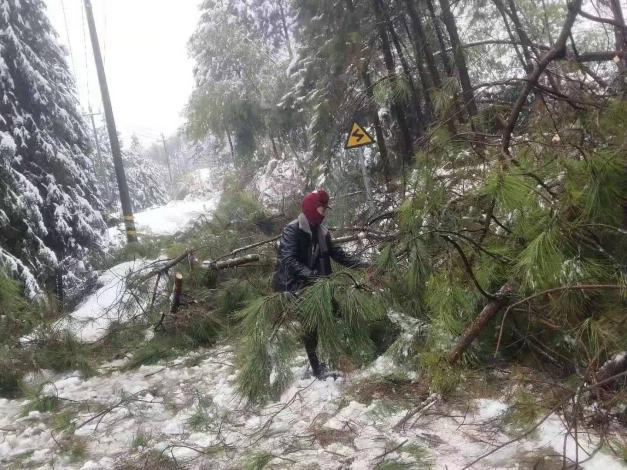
(311,202)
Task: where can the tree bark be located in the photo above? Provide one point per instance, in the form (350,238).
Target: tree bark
(446,62)
(378,130)
(388,58)
(416,94)
(177,292)
(425,79)
(422,44)
(228,136)
(460,58)
(175,299)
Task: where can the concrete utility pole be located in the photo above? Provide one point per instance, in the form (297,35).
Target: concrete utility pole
(127,207)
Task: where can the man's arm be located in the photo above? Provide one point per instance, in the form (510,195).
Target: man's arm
(288,254)
(340,256)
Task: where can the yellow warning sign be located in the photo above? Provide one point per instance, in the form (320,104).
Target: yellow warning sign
(358,137)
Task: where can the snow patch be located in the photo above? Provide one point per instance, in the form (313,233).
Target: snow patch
(174,217)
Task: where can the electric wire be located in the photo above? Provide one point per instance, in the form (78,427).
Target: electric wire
(87,84)
(69,42)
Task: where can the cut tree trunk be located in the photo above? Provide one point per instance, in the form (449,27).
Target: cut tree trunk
(175,300)
(177,293)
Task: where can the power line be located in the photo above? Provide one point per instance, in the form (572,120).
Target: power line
(67,36)
(106,34)
(86,59)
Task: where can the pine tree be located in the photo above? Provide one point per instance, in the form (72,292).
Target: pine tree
(49,210)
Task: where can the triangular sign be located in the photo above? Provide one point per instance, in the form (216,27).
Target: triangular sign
(358,137)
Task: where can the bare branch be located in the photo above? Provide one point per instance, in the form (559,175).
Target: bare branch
(598,19)
(558,49)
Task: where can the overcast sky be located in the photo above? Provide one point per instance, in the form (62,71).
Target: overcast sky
(144,43)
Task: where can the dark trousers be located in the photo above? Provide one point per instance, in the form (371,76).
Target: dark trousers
(311,343)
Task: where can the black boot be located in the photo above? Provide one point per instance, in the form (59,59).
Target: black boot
(311,343)
(318,369)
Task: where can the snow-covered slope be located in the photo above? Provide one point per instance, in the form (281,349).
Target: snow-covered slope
(170,218)
(188,410)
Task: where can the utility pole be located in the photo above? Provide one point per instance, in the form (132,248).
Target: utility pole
(167,158)
(127,207)
(103,170)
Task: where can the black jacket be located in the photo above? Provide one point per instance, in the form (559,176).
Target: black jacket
(301,260)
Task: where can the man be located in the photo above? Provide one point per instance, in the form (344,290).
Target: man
(305,254)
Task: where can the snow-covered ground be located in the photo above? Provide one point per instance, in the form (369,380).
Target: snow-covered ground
(112,302)
(188,410)
(169,219)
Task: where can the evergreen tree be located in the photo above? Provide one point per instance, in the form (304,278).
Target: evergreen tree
(148,181)
(49,210)
(240,79)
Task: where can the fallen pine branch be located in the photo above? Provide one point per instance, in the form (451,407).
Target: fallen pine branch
(489,311)
(231,263)
(551,291)
(223,263)
(249,247)
(170,264)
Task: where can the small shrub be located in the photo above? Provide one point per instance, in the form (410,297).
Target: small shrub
(141,440)
(17,315)
(444,378)
(524,412)
(10,374)
(123,337)
(41,401)
(421,455)
(159,348)
(62,352)
(75,448)
(153,460)
(237,208)
(63,421)
(43,404)
(258,461)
